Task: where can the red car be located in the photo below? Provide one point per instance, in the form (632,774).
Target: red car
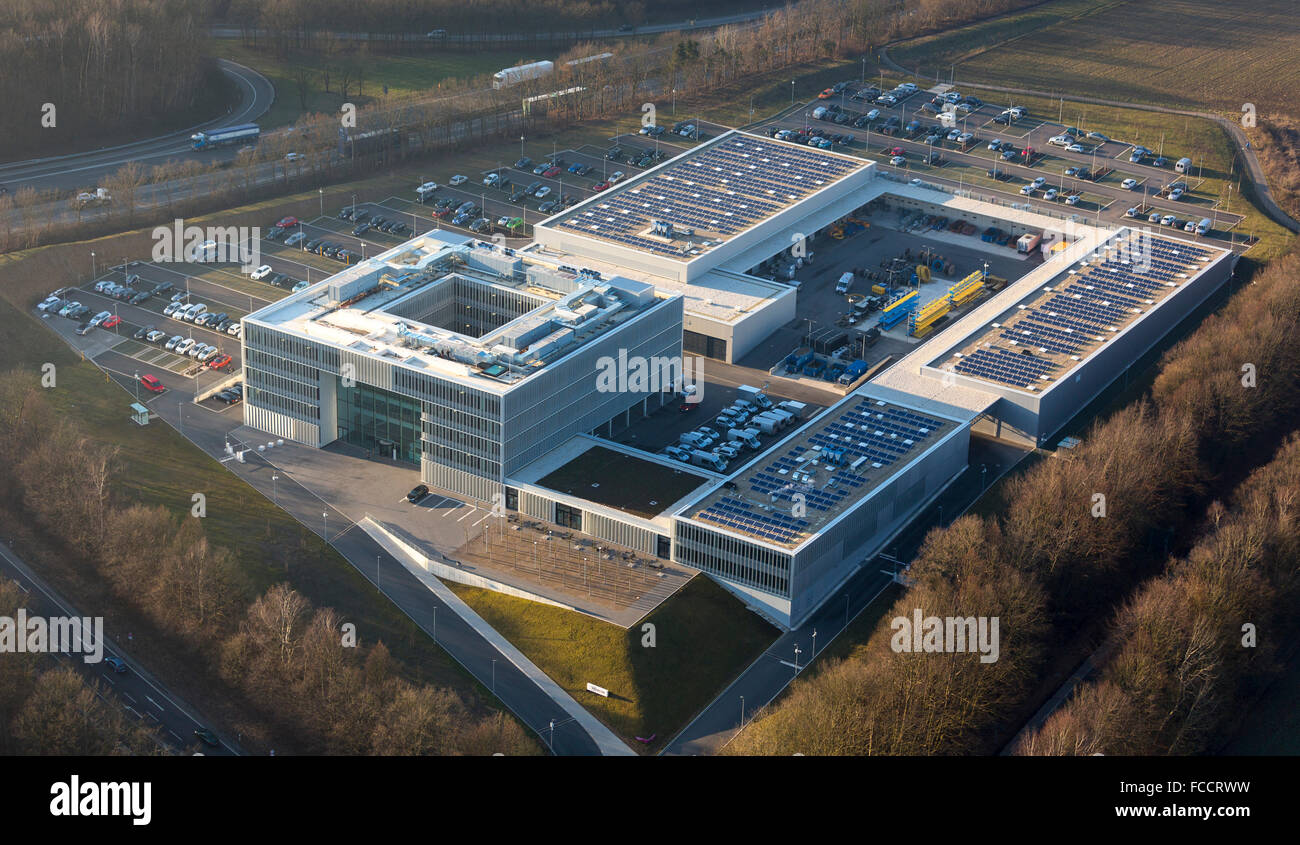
(111,322)
(550,171)
(827,94)
(219,361)
(441,212)
(286,222)
(602,186)
(896,151)
(151,383)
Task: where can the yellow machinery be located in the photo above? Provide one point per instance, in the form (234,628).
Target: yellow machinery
(966,288)
(923,273)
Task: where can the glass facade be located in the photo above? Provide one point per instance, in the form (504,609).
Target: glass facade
(386,424)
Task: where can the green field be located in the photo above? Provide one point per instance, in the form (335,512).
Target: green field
(1199,54)
(300,78)
(704,639)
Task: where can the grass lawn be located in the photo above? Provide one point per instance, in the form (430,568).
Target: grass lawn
(160,467)
(704,639)
(403,74)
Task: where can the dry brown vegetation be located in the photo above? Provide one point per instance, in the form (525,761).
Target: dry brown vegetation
(1277,146)
(289,659)
(47,709)
(106,67)
(1182,665)
(463,114)
(1047,566)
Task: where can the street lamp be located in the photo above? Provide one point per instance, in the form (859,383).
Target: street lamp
(322,203)
(137,385)
(326,517)
(274,496)
(92,265)
(742,711)
(550,742)
(792,92)
(797,652)
(814,648)
(494,676)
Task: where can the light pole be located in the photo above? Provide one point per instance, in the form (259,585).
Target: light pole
(322,204)
(792,92)
(797,652)
(275,497)
(494,676)
(137,385)
(92,265)
(550,742)
(984,468)
(814,648)
(325,516)
(742,711)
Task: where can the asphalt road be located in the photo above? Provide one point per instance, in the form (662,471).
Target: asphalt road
(79,170)
(769,675)
(1103,200)
(143,697)
(209,426)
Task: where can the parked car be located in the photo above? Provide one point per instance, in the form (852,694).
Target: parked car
(1129,184)
(417,493)
(458,179)
(261,272)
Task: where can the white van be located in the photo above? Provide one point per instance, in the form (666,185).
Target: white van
(1203,228)
(193,312)
(1183,165)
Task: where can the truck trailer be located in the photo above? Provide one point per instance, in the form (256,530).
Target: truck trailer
(521,73)
(245,132)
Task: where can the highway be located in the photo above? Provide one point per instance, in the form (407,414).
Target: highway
(143,696)
(79,170)
(227,31)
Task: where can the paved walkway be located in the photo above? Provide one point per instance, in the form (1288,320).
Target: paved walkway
(606,741)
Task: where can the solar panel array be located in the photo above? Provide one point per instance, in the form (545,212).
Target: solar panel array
(1121,282)
(717,192)
(871,434)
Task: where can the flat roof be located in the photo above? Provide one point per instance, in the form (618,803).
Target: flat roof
(1039,339)
(852,449)
(706,196)
(622,481)
(722,295)
(396,306)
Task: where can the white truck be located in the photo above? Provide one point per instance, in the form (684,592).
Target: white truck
(521,73)
(842,286)
(748,436)
(754,395)
(794,408)
(423,192)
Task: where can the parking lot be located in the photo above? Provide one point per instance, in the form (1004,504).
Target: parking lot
(908,136)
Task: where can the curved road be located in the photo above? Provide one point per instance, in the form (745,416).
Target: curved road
(1254,171)
(76,170)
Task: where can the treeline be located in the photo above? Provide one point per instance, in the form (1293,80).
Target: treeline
(466,114)
(294,663)
(105,67)
(1050,561)
(47,709)
(1200,641)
